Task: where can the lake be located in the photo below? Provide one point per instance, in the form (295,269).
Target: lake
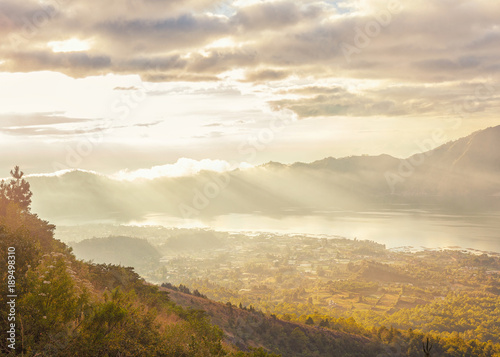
(416,228)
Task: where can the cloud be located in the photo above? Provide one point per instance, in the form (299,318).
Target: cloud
(271,43)
(48,131)
(179,77)
(394,100)
(174,37)
(126,88)
(147,125)
(168,34)
(273,15)
(37,119)
(54,124)
(339,103)
(183,167)
(211,135)
(313,90)
(44,124)
(259,76)
(79,63)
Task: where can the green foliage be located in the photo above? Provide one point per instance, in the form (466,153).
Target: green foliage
(53,301)
(469,315)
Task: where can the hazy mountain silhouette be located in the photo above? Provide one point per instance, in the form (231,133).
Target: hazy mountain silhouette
(469,166)
(467,169)
(125,251)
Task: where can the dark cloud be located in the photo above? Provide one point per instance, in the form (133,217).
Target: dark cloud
(266,75)
(154,36)
(176,77)
(335,106)
(340,103)
(436,65)
(313,90)
(397,100)
(272,16)
(76,63)
(217,61)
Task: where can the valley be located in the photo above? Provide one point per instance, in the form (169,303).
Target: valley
(299,277)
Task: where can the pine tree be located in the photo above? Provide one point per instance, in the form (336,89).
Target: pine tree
(17,190)
(309,321)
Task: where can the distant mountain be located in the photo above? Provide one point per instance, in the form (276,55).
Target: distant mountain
(354,163)
(125,251)
(478,152)
(467,169)
(469,166)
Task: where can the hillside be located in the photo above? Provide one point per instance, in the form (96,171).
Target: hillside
(327,336)
(249,328)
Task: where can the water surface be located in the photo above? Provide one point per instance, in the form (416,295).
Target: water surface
(416,228)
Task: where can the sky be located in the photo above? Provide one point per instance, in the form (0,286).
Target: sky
(144,88)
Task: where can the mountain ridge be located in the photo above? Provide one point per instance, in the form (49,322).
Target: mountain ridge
(466,169)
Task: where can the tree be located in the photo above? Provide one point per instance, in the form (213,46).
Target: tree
(17,190)
(427,348)
(309,321)
(298,339)
(324,323)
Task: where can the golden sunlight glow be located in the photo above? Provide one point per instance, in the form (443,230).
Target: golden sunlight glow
(71,45)
(222,43)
